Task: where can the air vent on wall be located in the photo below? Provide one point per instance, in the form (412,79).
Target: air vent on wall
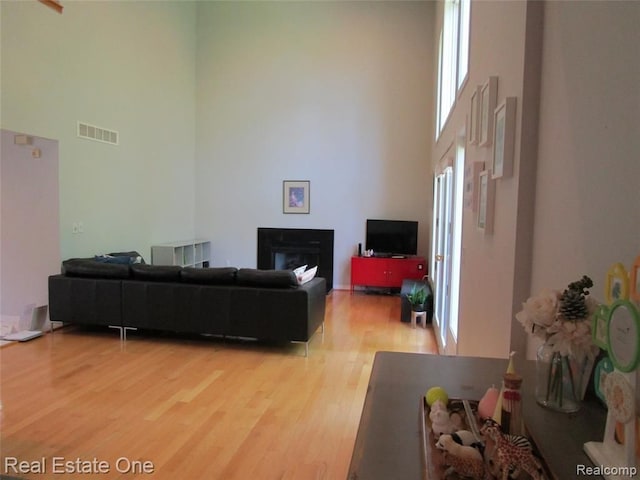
(99,134)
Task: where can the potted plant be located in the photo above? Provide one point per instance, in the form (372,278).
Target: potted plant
(417,298)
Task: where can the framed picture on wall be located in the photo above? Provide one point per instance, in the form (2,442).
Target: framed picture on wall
(504,138)
(295,196)
(471,174)
(489,94)
(486,192)
(474,117)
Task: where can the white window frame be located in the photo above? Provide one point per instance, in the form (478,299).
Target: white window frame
(453,58)
(463,42)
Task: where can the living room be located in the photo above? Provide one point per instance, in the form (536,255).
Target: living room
(334,94)
(342,95)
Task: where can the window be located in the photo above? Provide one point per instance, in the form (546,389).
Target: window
(463,41)
(453,58)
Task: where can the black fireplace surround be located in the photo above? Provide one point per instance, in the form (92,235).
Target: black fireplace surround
(288,248)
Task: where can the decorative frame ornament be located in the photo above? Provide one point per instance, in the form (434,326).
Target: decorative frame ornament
(616,283)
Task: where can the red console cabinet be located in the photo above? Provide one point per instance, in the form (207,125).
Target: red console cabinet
(387,272)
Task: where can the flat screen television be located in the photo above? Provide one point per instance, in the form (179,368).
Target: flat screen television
(392,237)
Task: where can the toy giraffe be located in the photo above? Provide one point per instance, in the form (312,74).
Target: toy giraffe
(512,452)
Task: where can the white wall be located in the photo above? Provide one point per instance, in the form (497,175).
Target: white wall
(587,207)
(125,66)
(338,93)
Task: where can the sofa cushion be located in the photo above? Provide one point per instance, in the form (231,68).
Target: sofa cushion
(80,267)
(156,273)
(266,278)
(209,276)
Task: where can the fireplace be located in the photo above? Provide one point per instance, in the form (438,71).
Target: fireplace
(288,248)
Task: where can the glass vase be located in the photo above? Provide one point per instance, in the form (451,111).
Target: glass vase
(559,380)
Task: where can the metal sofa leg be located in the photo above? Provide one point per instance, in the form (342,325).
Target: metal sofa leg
(119,328)
(306,346)
(124,329)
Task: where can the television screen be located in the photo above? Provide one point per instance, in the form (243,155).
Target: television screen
(392,237)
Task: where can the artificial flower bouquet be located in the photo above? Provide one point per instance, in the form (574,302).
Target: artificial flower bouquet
(562,319)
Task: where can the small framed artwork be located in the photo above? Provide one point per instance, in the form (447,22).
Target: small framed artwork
(488,97)
(486,192)
(616,284)
(474,117)
(295,196)
(504,125)
(635,280)
(471,173)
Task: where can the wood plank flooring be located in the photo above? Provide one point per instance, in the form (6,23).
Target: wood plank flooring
(197,408)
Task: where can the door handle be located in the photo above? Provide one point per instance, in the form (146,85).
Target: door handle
(439,258)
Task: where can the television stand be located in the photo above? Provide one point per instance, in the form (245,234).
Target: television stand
(386,272)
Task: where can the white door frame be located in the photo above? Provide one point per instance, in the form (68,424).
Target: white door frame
(446,244)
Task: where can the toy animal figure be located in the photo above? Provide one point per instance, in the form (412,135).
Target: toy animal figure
(440,419)
(464,460)
(513,452)
(464,437)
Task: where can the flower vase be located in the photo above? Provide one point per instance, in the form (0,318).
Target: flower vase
(559,380)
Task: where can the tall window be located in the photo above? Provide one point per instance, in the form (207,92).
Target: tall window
(453,59)
(463,41)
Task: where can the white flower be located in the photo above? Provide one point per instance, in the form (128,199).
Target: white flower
(572,337)
(539,313)
(540,317)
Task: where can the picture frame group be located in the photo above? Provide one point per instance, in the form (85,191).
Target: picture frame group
(489,125)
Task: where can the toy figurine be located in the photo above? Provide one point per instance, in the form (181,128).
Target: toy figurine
(464,460)
(440,420)
(513,453)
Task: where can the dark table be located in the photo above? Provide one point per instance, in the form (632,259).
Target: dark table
(388,441)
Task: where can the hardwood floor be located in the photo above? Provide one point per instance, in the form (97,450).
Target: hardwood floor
(197,408)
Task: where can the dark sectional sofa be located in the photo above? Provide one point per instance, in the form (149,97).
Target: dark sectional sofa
(248,303)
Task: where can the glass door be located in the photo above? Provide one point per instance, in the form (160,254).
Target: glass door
(447,247)
(441,253)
